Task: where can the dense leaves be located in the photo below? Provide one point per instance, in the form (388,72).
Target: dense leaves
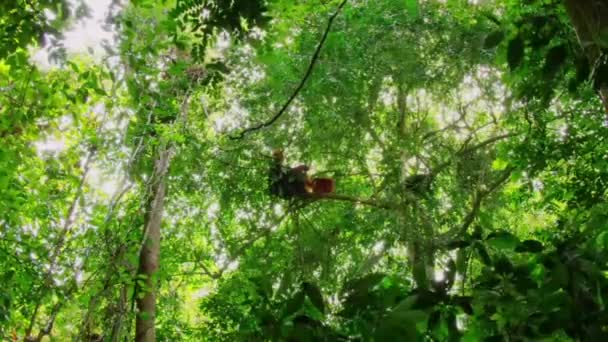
(515,52)
(467,143)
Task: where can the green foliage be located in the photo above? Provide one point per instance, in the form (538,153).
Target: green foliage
(467,142)
(515,52)
(25,22)
(493,39)
(203,18)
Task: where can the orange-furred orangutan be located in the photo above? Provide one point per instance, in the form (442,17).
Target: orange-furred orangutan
(289,182)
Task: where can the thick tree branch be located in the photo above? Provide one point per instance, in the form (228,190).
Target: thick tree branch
(314,59)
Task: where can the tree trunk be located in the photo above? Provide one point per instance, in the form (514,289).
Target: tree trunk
(590,20)
(150,252)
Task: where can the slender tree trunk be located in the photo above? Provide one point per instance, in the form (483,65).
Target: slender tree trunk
(150,251)
(590,20)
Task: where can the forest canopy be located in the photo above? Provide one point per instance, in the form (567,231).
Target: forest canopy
(322,170)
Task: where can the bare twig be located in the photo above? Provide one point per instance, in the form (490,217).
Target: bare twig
(314,59)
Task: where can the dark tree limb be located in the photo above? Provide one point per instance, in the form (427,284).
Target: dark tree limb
(314,59)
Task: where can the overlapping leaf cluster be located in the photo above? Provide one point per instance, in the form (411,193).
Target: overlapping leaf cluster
(467,142)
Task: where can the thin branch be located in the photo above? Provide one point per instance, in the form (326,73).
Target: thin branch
(373,259)
(313,61)
(67,226)
(345,198)
(372,99)
(487,142)
(464,150)
(241,250)
(26,87)
(25,264)
(207,271)
(462,118)
(453,125)
(479,197)
(46,331)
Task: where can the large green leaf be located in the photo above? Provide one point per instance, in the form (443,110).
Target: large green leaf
(502,240)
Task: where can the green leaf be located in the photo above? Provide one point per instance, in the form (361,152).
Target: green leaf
(502,240)
(408,302)
(412,8)
(303,329)
(500,164)
(493,39)
(294,304)
(464,302)
(315,296)
(602,240)
(462,260)
(364,283)
(414,316)
(434,320)
(515,52)
(73,66)
(560,275)
(529,246)
(395,329)
(503,266)
(457,244)
(589,267)
(556,299)
(424,299)
(483,254)
(555,58)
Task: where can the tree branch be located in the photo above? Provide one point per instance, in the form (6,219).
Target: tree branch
(479,197)
(464,150)
(485,143)
(59,246)
(314,59)
(337,197)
